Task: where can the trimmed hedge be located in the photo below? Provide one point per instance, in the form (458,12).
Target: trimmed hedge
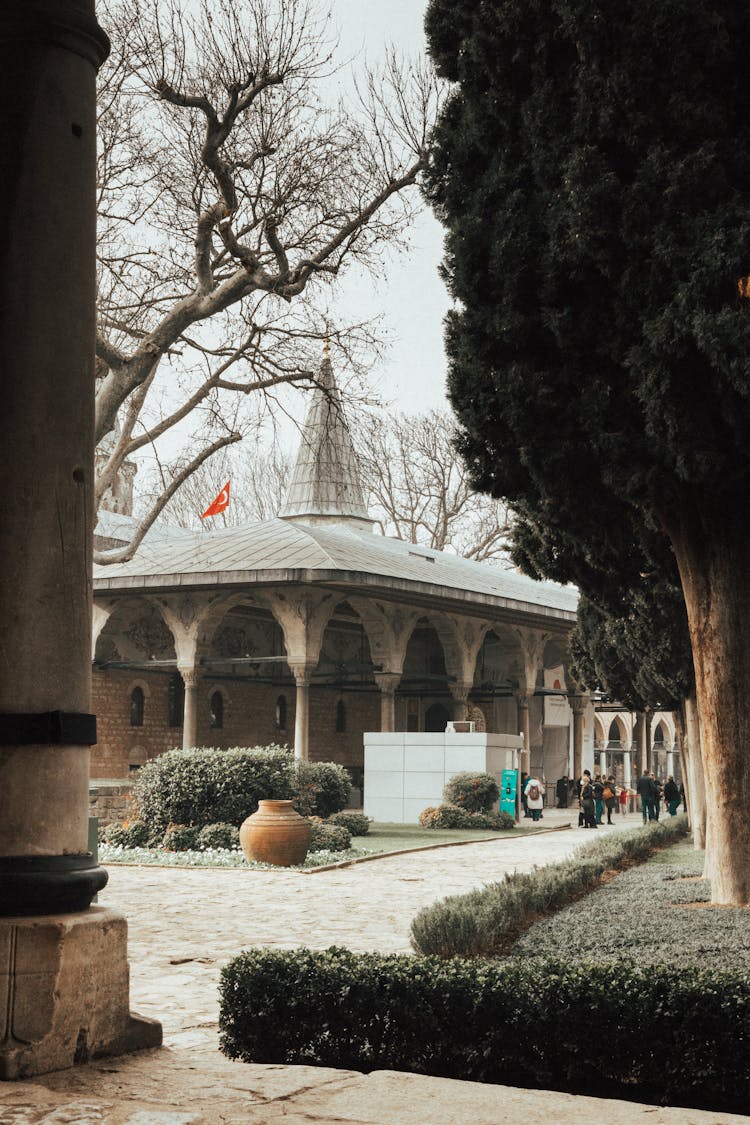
(648,1034)
(485,923)
(327,837)
(452,816)
(210,786)
(356,823)
(321,788)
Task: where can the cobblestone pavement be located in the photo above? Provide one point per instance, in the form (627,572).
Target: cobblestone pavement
(185,923)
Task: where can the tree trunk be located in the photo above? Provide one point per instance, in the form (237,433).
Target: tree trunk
(711,540)
(697,788)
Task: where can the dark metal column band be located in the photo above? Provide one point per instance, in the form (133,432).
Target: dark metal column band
(62,728)
(48,884)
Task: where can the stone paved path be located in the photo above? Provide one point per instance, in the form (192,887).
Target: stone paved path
(184,924)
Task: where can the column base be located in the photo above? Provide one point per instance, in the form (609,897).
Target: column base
(64,993)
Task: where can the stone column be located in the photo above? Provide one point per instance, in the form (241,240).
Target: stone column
(387,683)
(627,777)
(578,705)
(64,974)
(460,693)
(302,677)
(524,728)
(640,737)
(602,761)
(649,735)
(190,708)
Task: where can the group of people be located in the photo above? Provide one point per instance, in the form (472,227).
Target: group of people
(600,793)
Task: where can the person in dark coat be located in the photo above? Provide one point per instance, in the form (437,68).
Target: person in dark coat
(610,797)
(645,789)
(586,801)
(671,795)
(561,792)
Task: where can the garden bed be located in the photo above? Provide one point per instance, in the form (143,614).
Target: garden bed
(641,915)
(382,839)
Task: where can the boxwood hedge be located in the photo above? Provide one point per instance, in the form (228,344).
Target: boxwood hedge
(484,923)
(645,1033)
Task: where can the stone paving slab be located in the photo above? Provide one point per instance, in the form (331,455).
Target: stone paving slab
(185,923)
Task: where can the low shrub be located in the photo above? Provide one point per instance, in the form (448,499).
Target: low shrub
(475,792)
(445,816)
(452,816)
(180,838)
(356,823)
(671,1035)
(321,788)
(328,837)
(219,836)
(484,923)
(210,786)
(498,821)
(130,834)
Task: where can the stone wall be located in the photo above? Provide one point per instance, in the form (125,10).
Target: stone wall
(110,801)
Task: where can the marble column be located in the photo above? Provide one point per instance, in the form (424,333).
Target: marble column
(190,679)
(302,678)
(387,683)
(640,737)
(524,727)
(64,973)
(578,705)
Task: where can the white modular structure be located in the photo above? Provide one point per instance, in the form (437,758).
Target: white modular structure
(405,773)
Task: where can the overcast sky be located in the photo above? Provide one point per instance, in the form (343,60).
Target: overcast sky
(412,300)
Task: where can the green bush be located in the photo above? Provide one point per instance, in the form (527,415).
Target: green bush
(219,836)
(131,834)
(180,838)
(484,923)
(321,788)
(498,821)
(356,823)
(328,837)
(475,792)
(210,786)
(649,1034)
(453,816)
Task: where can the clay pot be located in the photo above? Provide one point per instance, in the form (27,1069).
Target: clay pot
(276,834)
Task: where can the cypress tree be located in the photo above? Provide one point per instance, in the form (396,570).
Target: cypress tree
(592,170)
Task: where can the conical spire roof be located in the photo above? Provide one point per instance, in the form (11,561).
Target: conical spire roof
(326,485)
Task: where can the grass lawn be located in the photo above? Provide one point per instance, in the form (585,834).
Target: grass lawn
(384,837)
(650,914)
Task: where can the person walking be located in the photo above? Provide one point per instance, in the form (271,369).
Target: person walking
(623,797)
(561,792)
(534,794)
(586,802)
(656,799)
(671,795)
(610,800)
(645,790)
(598,787)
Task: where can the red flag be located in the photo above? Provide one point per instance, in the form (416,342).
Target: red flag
(219,504)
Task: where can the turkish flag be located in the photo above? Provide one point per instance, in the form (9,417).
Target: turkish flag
(219,504)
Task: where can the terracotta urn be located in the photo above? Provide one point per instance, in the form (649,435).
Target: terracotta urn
(276,834)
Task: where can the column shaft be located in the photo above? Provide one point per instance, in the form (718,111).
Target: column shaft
(302,719)
(190,709)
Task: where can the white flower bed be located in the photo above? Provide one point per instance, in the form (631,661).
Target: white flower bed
(210,857)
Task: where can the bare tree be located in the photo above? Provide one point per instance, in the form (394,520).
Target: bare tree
(418,489)
(259,478)
(228,190)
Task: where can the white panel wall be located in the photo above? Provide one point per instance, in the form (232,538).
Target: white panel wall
(405,773)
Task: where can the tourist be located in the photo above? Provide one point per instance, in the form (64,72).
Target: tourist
(586,801)
(598,787)
(656,800)
(671,795)
(534,794)
(624,794)
(584,779)
(610,800)
(645,789)
(524,802)
(561,792)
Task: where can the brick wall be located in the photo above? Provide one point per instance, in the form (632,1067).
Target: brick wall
(249,720)
(110,802)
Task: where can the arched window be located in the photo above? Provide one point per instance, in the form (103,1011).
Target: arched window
(217,711)
(281,713)
(137,706)
(175,700)
(614,732)
(340,717)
